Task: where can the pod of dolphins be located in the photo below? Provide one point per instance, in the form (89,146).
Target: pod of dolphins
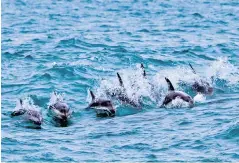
(61,112)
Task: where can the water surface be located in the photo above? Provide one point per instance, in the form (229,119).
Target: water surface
(71,46)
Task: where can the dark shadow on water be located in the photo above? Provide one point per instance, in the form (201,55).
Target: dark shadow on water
(34,127)
(57,122)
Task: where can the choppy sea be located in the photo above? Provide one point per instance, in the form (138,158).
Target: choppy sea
(75,46)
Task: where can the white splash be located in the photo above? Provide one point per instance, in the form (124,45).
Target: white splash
(27,103)
(223,69)
(54,97)
(178,103)
(199,98)
(155,87)
(176,75)
(134,83)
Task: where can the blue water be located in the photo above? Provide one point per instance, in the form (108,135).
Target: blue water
(72,46)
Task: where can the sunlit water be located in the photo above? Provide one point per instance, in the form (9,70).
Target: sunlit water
(72,47)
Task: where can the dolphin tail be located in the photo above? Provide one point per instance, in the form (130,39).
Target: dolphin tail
(170,85)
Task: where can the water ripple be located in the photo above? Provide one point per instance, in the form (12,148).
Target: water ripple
(70,47)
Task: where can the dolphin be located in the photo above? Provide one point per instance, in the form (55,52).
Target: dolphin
(172,94)
(144,75)
(122,96)
(103,108)
(30,115)
(143,69)
(201,86)
(61,111)
(152,87)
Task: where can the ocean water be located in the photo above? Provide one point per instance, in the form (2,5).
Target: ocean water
(75,46)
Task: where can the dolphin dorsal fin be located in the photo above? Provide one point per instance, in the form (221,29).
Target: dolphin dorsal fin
(92,95)
(21,102)
(192,68)
(142,67)
(170,85)
(120,80)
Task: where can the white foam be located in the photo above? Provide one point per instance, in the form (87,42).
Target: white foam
(54,97)
(134,82)
(27,103)
(223,69)
(137,86)
(178,103)
(199,98)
